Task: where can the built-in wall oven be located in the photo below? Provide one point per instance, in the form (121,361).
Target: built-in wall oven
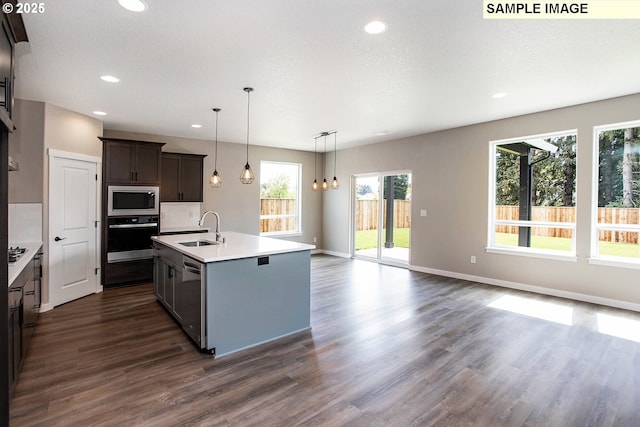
(129,237)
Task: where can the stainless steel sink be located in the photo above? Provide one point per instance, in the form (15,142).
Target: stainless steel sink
(198,243)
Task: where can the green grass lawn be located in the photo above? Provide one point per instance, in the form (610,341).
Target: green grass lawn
(367,239)
(627,250)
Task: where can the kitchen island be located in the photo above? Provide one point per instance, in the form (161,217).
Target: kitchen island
(233,295)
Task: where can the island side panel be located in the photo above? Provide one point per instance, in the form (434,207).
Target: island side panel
(249,304)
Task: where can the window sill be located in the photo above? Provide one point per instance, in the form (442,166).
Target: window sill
(281,234)
(615,262)
(532,254)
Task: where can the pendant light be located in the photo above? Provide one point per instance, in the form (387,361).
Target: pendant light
(246,176)
(216,180)
(335,184)
(325,184)
(314,186)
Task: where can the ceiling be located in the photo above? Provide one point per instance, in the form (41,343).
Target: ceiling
(313,67)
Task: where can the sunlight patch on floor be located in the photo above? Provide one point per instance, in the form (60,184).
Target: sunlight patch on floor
(619,327)
(552,312)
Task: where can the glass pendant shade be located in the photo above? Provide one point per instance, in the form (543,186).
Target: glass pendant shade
(247,177)
(314,186)
(335,184)
(216,180)
(325,184)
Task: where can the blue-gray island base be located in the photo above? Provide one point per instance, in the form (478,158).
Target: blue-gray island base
(243,301)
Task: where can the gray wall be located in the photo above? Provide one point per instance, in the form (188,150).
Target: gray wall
(450,180)
(237,203)
(26,146)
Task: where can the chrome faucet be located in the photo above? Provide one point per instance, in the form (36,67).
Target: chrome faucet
(219,237)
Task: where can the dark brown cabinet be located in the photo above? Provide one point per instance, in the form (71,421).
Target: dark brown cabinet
(132,162)
(12,31)
(24,305)
(182,177)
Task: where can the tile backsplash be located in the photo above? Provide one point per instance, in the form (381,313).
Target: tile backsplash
(25,222)
(179,214)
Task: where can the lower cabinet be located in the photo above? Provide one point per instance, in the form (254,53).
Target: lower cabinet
(167,279)
(177,284)
(24,305)
(15,349)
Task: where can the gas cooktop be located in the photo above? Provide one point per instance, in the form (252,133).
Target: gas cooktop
(15,253)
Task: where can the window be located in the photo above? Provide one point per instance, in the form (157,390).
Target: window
(616,197)
(280,198)
(533,195)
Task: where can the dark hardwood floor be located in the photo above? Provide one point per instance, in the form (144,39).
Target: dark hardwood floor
(387,347)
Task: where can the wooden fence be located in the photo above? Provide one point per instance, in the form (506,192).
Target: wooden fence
(568,214)
(367,214)
(277,207)
(366,218)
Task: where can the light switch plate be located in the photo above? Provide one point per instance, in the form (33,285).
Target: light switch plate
(423,212)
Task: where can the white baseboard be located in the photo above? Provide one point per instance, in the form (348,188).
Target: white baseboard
(530,288)
(46,307)
(316,251)
(332,253)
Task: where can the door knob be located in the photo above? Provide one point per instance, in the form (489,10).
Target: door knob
(57,239)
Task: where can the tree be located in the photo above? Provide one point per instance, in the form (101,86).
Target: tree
(627,169)
(507,178)
(277,187)
(553,175)
(619,168)
(362,189)
(400,186)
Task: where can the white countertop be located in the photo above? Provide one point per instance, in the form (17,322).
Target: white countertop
(237,246)
(16,268)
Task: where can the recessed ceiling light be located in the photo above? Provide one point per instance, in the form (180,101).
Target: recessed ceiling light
(375,27)
(196,125)
(499,95)
(133,5)
(99,113)
(110,79)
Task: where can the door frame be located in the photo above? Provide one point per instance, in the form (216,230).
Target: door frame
(379,258)
(67,155)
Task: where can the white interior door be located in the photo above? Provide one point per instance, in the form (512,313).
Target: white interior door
(72,229)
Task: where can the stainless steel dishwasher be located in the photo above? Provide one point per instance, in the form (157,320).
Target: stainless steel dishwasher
(189,300)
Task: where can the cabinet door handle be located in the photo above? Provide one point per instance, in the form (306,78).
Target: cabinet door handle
(131,175)
(136,176)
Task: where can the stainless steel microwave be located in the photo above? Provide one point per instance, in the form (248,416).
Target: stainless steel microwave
(133,200)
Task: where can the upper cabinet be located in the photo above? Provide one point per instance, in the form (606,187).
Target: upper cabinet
(12,31)
(132,162)
(181,177)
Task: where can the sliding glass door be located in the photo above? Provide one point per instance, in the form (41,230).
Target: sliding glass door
(382,217)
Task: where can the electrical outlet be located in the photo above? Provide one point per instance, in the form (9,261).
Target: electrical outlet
(315,240)
(423,212)
(473,259)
